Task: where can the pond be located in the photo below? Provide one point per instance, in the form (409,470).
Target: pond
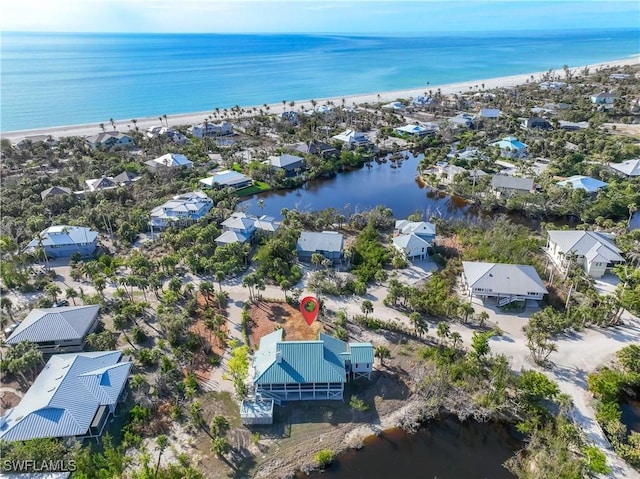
(443,449)
(392,184)
(631,415)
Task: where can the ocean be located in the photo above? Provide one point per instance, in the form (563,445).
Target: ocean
(60,79)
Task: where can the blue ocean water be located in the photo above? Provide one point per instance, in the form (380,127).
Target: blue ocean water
(57,79)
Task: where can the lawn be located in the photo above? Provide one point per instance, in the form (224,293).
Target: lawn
(257,187)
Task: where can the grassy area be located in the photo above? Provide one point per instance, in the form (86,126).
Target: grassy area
(257,187)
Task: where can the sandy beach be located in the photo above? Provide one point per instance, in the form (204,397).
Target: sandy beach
(125,125)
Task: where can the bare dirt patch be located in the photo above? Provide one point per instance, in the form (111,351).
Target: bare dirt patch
(267,315)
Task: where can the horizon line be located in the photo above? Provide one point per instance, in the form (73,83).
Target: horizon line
(399,33)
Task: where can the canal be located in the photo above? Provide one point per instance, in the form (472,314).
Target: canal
(392,184)
(442,449)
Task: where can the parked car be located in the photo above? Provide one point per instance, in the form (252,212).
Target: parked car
(59,304)
(8,330)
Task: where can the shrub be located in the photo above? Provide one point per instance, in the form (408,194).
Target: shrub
(324,457)
(358,404)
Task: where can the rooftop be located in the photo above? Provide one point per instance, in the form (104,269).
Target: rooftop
(55,324)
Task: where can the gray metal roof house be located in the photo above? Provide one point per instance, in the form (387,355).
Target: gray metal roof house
(57,330)
(504,282)
(508,185)
(595,252)
(328,244)
(73,397)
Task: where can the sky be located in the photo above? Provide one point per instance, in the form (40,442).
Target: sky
(313,16)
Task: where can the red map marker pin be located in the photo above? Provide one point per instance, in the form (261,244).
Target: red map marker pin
(309,307)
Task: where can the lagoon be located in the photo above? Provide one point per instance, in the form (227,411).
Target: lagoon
(443,449)
(390,184)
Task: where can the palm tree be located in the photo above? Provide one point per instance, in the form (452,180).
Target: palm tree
(482,318)
(443,330)
(113,124)
(101,125)
(72,294)
(382,352)
(466,310)
(366,307)
(456,339)
(632,209)
(53,290)
(161,442)
(206,288)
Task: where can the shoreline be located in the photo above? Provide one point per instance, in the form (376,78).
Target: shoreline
(175,120)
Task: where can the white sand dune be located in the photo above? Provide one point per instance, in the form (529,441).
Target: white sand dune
(197,117)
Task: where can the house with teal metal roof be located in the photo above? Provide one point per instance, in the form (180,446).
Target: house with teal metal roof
(308,370)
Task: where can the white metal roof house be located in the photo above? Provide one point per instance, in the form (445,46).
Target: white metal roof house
(511,147)
(57,330)
(73,397)
(227,178)
(308,370)
(412,246)
(595,252)
(504,282)
(181,210)
(463,120)
(586,183)
(328,244)
(170,160)
(423,229)
(352,138)
(489,113)
(415,130)
(240,227)
(62,241)
(629,168)
(603,98)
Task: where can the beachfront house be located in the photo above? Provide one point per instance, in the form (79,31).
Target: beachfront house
(394,105)
(508,185)
(291,164)
(181,210)
(504,283)
(72,398)
(308,370)
(352,139)
(57,330)
(422,101)
(99,184)
(170,160)
(595,252)
(55,191)
(226,178)
(447,173)
(201,130)
(511,147)
(28,141)
(629,168)
(552,85)
(62,241)
(109,140)
(174,136)
(290,117)
(327,243)
(585,183)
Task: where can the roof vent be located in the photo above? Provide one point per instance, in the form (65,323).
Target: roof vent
(278,356)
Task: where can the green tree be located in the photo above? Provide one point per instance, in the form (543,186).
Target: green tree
(162,441)
(443,330)
(239,369)
(220,446)
(382,352)
(366,307)
(480,344)
(219,426)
